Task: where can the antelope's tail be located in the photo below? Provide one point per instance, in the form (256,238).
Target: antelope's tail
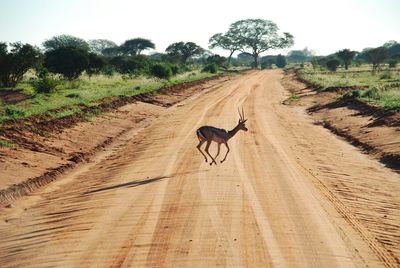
(200,135)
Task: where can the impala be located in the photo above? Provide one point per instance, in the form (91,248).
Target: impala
(218,135)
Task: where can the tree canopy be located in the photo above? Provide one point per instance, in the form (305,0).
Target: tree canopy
(183,51)
(135,46)
(346,55)
(98,45)
(224,41)
(256,36)
(68,61)
(65,40)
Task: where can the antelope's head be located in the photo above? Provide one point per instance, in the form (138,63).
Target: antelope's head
(242,121)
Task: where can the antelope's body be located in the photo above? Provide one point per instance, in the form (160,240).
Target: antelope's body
(218,135)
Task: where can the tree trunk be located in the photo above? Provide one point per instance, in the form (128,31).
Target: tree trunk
(255,55)
(230,57)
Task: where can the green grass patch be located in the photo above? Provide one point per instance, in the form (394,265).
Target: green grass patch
(6,143)
(72,96)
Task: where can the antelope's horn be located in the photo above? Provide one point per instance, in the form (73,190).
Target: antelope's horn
(240,116)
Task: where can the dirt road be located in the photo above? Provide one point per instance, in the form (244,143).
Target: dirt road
(289,195)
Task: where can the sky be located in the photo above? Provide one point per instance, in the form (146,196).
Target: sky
(323,26)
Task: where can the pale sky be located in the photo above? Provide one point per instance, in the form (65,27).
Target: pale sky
(323,26)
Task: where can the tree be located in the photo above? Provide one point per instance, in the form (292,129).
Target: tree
(14,64)
(332,64)
(131,65)
(257,36)
(376,56)
(98,45)
(65,41)
(68,61)
(96,64)
(280,61)
(224,41)
(183,51)
(346,55)
(135,46)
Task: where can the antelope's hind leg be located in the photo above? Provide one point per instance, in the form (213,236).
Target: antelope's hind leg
(208,146)
(198,148)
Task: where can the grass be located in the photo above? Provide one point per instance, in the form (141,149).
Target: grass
(382,89)
(360,76)
(72,97)
(5,143)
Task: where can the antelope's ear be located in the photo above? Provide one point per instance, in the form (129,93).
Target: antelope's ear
(244,121)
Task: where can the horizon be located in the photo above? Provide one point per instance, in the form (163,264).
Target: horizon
(324,30)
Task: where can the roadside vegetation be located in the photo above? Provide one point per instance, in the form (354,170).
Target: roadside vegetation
(371,75)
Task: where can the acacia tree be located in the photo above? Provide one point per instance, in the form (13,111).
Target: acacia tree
(135,46)
(376,56)
(256,36)
(98,45)
(224,41)
(183,51)
(65,40)
(346,55)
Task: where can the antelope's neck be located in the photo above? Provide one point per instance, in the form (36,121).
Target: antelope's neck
(233,132)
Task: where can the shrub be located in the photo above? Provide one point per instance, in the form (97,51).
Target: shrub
(44,83)
(352,94)
(162,71)
(332,64)
(132,64)
(371,93)
(266,65)
(174,69)
(210,68)
(280,61)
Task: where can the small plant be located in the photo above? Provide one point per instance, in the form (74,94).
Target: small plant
(6,143)
(352,94)
(386,75)
(13,111)
(294,97)
(210,68)
(73,95)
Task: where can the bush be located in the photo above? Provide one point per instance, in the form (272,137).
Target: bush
(210,68)
(162,71)
(266,65)
(67,61)
(372,93)
(386,75)
(332,64)
(44,83)
(135,65)
(280,61)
